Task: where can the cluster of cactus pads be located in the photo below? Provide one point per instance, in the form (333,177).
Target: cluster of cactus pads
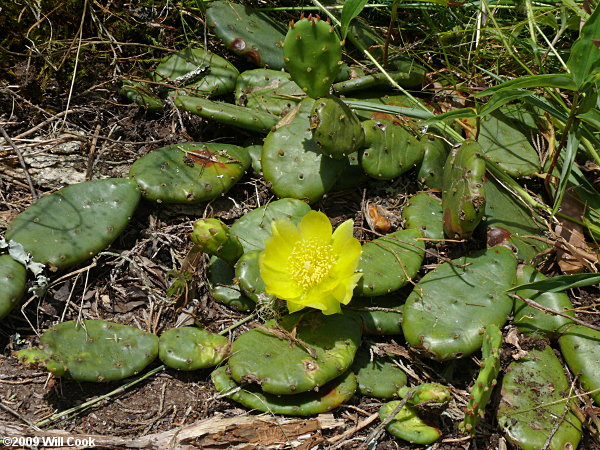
(308,363)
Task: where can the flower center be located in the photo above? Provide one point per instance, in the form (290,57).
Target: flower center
(310,262)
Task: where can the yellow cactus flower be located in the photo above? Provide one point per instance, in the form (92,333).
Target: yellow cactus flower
(307,265)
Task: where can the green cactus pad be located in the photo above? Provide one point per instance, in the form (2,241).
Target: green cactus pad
(352,175)
(13,279)
(72,224)
(380,316)
(329,397)
(222,287)
(228,114)
(253,228)
(255,152)
(426,394)
(213,237)
(270,91)
(580,346)
(431,169)
(199,71)
(248,276)
(312,53)
(532,320)
(407,425)
(283,365)
(412,78)
(190,172)
(248,32)
(463,195)
(449,308)
(502,142)
(390,150)
(389,262)
(502,210)
(481,391)
(336,129)
(95,350)
(379,377)
(191,348)
(532,403)
(141,94)
(293,162)
(424,213)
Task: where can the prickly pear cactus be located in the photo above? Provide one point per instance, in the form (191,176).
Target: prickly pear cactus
(222,287)
(266,90)
(228,114)
(141,94)
(312,53)
(293,162)
(532,405)
(380,316)
(377,377)
(253,228)
(247,274)
(197,70)
(389,262)
(411,78)
(407,425)
(351,176)
(94,350)
(190,172)
(502,142)
(580,346)
(463,195)
(427,396)
(327,398)
(390,150)
(481,391)
(72,224)
(255,152)
(431,169)
(336,129)
(449,308)
(248,32)
(424,213)
(214,237)
(300,353)
(191,348)
(531,320)
(13,278)
(504,211)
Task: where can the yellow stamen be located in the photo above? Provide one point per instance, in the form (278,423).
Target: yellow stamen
(310,262)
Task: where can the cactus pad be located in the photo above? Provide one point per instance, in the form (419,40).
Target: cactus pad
(267,90)
(425,394)
(424,213)
(95,350)
(329,397)
(449,308)
(254,228)
(390,150)
(532,403)
(222,287)
(407,425)
(312,53)
(389,262)
(74,223)
(293,162)
(463,198)
(141,94)
(532,320)
(300,353)
(199,71)
(380,316)
(191,348)
(248,32)
(13,278)
(580,346)
(190,172)
(431,169)
(379,377)
(247,273)
(213,237)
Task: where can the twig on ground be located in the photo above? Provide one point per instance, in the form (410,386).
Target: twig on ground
(34,193)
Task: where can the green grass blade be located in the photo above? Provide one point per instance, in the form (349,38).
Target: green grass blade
(584,60)
(561,282)
(553,80)
(500,99)
(569,158)
(460,113)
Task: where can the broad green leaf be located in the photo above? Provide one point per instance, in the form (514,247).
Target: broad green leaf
(585,55)
(502,98)
(555,80)
(592,117)
(454,114)
(561,282)
(351,9)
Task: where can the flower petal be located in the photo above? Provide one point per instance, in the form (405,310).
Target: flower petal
(341,235)
(316,225)
(285,230)
(344,291)
(293,306)
(348,259)
(277,281)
